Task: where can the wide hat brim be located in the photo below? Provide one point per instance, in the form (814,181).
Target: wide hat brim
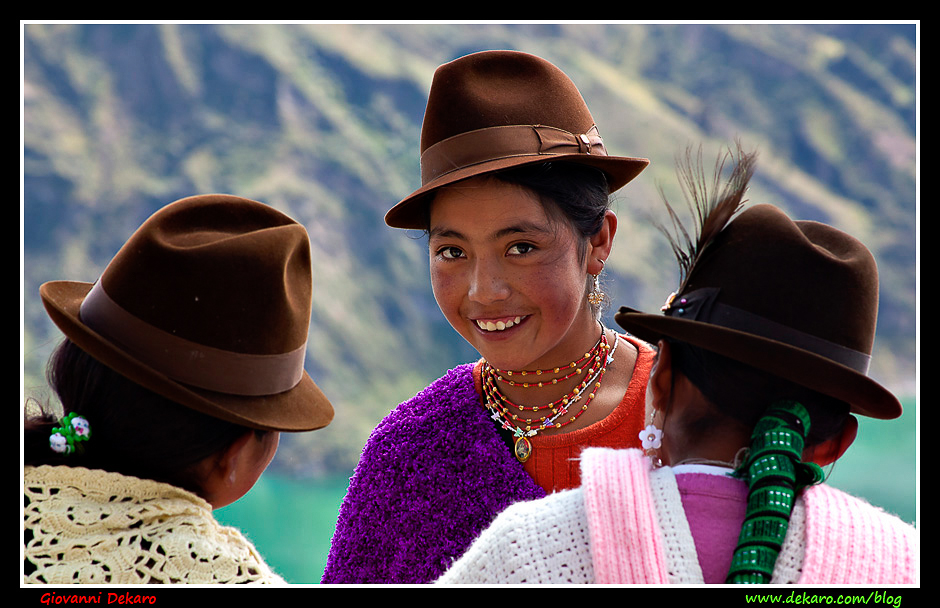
(411,211)
(864,395)
(301,408)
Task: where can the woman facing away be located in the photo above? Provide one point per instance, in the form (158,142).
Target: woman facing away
(181,366)
(761,367)
(515,201)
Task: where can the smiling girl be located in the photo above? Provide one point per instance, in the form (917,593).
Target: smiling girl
(509,275)
(515,202)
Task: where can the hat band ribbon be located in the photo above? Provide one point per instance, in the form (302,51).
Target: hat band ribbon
(495,143)
(699,305)
(188,362)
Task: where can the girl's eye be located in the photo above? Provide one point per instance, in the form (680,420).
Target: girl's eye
(450,253)
(521,249)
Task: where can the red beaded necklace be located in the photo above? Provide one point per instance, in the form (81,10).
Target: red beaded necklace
(501,408)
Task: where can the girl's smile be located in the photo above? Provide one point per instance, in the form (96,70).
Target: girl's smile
(490,325)
(507,276)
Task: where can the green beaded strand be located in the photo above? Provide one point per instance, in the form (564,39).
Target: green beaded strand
(774,473)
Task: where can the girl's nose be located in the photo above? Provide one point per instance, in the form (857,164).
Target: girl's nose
(487,284)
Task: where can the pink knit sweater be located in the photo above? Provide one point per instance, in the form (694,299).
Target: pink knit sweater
(628,547)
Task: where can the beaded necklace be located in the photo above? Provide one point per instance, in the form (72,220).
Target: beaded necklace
(491,377)
(575,365)
(501,408)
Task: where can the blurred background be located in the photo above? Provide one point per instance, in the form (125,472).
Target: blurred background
(322,121)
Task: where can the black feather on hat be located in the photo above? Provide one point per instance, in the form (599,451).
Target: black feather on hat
(711,214)
(797,299)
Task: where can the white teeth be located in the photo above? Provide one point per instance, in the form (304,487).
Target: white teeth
(498,325)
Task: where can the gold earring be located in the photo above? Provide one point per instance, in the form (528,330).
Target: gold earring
(596,297)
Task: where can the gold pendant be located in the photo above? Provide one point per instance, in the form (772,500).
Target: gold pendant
(522,448)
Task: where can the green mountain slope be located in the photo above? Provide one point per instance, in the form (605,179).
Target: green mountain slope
(322,122)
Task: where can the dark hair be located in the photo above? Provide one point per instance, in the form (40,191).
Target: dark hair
(578,192)
(575,192)
(134,431)
(743,393)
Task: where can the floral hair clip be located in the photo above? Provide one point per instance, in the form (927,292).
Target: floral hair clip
(67,437)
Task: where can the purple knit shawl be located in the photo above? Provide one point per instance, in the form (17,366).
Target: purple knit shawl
(432,476)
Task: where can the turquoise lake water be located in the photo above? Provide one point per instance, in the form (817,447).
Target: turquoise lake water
(291,521)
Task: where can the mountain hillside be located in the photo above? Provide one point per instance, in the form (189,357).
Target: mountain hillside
(322,122)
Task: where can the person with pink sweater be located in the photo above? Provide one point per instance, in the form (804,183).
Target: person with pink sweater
(762,362)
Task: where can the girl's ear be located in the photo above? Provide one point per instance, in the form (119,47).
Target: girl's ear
(661,377)
(219,472)
(601,244)
(831,450)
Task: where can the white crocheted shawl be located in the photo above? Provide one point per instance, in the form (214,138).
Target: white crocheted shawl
(92,526)
(627,525)
(551,540)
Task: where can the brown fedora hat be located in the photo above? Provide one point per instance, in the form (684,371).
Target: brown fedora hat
(494,110)
(797,299)
(208,304)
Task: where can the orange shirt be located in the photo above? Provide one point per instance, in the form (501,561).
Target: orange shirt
(554,461)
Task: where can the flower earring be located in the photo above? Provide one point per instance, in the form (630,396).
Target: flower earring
(651,438)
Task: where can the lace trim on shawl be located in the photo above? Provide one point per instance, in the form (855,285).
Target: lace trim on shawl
(90,526)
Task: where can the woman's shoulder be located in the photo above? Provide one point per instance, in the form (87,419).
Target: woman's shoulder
(454,385)
(824,501)
(448,411)
(445,396)
(838,523)
(646,353)
(50,480)
(446,433)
